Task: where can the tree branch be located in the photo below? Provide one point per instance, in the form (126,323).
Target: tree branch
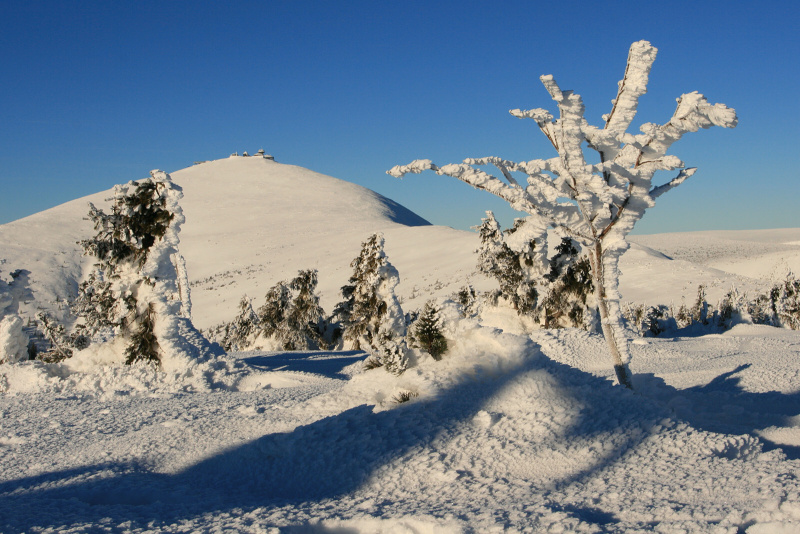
(675,182)
(632,86)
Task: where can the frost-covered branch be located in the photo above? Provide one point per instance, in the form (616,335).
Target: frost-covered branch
(632,86)
(675,182)
(597,204)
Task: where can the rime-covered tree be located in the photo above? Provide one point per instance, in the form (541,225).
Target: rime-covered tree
(292,315)
(511,268)
(272,314)
(568,290)
(781,306)
(427,331)
(370,304)
(13,339)
(467,299)
(137,288)
(596,204)
(240,331)
(305,318)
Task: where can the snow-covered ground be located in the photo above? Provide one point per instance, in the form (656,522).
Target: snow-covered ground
(508,433)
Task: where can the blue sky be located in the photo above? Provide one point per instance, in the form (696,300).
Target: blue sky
(99,93)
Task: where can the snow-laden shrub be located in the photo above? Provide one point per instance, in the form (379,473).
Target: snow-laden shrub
(61,344)
(467,299)
(556,294)
(426,332)
(701,316)
(779,307)
(290,318)
(239,333)
(370,315)
(513,269)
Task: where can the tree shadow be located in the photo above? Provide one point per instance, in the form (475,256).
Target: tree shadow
(336,456)
(316,362)
(724,406)
(324,460)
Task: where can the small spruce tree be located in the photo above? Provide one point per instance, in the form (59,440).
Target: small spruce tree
(467,299)
(427,331)
(240,331)
(292,315)
(369,299)
(305,317)
(511,268)
(569,299)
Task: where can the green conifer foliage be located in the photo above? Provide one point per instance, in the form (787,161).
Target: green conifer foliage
(240,331)
(305,317)
(569,285)
(510,268)
(364,306)
(143,345)
(427,332)
(292,315)
(118,296)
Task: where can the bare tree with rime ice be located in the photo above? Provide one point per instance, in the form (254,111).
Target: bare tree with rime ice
(595,205)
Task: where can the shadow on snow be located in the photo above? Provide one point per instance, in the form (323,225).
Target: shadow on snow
(724,406)
(320,363)
(336,455)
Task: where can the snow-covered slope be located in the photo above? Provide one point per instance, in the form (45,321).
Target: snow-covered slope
(759,254)
(251,222)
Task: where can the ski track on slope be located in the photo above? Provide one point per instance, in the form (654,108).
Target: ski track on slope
(534,445)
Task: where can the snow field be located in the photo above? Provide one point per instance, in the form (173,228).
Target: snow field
(502,437)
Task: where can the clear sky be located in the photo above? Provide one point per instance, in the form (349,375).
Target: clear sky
(99,93)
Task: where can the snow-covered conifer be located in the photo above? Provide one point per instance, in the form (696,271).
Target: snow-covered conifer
(369,300)
(427,331)
(512,268)
(568,299)
(597,204)
(305,318)
(700,311)
(135,289)
(238,333)
(391,352)
(272,314)
(13,339)
(292,315)
(61,346)
(467,300)
(786,302)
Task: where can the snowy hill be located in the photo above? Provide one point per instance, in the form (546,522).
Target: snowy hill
(508,433)
(251,222)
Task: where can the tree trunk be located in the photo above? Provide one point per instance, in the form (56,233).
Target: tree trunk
(609,329)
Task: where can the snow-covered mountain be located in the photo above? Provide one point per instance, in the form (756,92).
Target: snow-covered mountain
(251,222)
